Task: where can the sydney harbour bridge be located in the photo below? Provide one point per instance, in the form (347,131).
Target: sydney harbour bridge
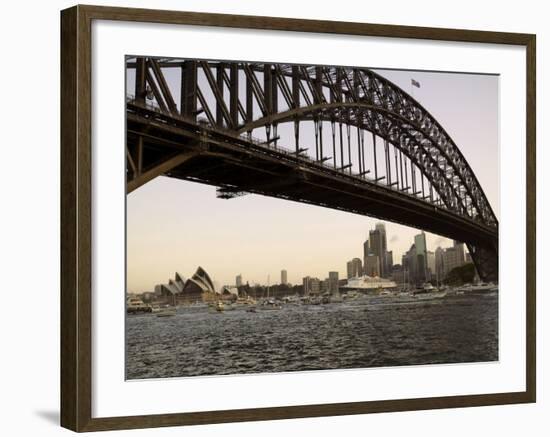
(339,137)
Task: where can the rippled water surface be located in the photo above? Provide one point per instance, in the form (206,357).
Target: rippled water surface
(367,332)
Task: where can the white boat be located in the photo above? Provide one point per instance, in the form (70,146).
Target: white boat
(270,304)
(430,295)
(428,287)
(482,287)
(135,305)
(166,312)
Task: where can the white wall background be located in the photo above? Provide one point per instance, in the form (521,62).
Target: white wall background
(29,215)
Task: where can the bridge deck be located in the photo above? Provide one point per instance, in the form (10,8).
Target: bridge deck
(221,156)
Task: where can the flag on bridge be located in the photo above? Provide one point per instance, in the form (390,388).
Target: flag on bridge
(415,83)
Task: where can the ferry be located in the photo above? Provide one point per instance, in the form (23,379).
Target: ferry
(428,292)
(166,312)
(135,305)
(480,288)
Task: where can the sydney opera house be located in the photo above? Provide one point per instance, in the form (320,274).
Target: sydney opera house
(199,287)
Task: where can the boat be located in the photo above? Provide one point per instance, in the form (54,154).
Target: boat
(428,287)
(156,309)
(270,304)
(429,295)
(135,305)
(167,312)
(351,295)
(480,288)
(219,306)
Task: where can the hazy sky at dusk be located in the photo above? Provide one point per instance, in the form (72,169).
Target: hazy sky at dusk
(174,225)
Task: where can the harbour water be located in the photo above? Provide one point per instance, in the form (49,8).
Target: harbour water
(365,332)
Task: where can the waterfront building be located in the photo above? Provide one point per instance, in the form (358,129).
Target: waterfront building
(439,265)
(355,268)
(409,262)
(366,250)
(389,262)
(229,293)
(421,273)
(372,265)
(284,277)
(378,246)
(430,261)
(397,274)
(198,287)
(448,259)
(311,285)
(454,257)
(333,286)
(174,286)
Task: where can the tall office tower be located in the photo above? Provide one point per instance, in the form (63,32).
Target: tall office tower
(389,262)
(439,265)
(454,257)
(349,269)
(378,246)
(311,285)
(333,286)
(372,265)
(284,278)
(354,268)
(409,263)
(366,250)
(421,258)
(430,262)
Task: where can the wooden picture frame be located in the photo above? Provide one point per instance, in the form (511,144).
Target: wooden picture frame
(76,218)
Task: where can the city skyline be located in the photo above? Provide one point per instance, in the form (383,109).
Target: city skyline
(295,277)
(174,225)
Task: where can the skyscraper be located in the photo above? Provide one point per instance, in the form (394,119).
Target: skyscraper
(430,262)
(409,262)
(421,258)
(333,287)
(284,278)
(439,265)
(372,265)
(366,250)
(389,262)
(239,280)
(354,268)
(377,243)
(453,257)
(311,285)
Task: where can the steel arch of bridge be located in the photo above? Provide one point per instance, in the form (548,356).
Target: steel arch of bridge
(238,98)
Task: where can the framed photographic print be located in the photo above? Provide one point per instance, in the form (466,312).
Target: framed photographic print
(267,218)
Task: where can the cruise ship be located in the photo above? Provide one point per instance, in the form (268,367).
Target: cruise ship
(369,284)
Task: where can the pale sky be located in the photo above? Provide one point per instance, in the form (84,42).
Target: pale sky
(174,225)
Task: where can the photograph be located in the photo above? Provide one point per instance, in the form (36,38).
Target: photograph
(292,217)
